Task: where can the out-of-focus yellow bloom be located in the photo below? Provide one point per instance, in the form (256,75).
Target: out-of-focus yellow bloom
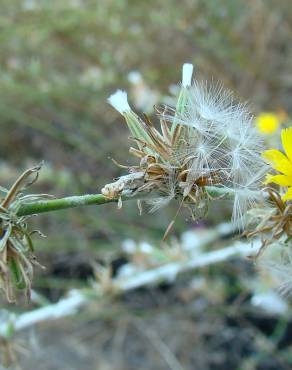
(267,122)
(281,163)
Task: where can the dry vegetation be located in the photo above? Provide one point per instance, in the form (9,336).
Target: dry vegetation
(59,61)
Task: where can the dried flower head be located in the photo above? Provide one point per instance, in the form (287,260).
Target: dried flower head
(16,247)
(273,221)
(206,140)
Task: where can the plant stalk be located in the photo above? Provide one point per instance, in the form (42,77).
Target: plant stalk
(51,205)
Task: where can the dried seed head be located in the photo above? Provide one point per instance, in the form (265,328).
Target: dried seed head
(220,143)
(207,139)
(273,222)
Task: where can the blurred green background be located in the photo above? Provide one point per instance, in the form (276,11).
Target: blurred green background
(60,60)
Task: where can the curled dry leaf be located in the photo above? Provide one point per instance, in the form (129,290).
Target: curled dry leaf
(17,259)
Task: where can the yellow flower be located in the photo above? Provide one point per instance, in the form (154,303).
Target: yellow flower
(267,123)
(281,163)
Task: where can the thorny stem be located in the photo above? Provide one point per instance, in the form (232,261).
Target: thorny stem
(44,206)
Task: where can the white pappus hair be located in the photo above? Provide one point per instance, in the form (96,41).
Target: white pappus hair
(220,140)
(166,196)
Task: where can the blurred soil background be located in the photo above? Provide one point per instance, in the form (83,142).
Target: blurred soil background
(59,61)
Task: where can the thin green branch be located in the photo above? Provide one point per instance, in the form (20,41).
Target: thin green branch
(62,203)
(44,206)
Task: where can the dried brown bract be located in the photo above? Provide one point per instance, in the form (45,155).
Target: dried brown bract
(274,222)
(160,171)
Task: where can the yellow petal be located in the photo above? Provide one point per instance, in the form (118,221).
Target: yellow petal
(288,195)
(278,161)
(286,136)
(282,180)
(267,123)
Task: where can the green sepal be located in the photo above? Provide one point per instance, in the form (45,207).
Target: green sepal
(17,277)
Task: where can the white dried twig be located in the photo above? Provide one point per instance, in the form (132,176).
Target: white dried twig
(65,307)
(171,270)
(76,299)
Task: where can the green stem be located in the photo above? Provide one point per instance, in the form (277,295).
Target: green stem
(43,206)
(91,199)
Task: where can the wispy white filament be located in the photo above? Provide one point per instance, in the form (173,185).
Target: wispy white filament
(221,143)
(187,72)
(119,100)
